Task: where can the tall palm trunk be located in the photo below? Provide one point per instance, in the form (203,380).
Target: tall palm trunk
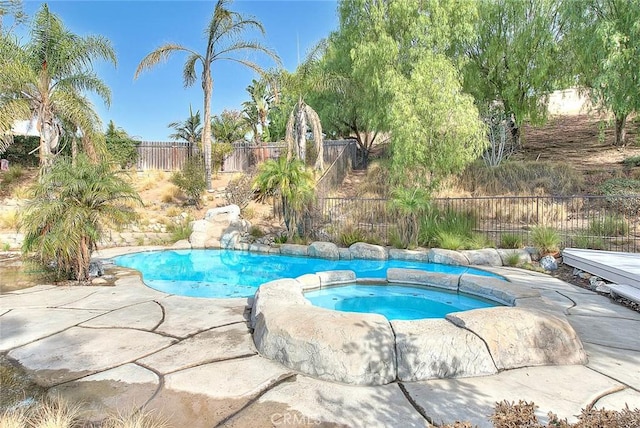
(207,87)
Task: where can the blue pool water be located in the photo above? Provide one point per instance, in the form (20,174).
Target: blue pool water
(229,273)
(395,302)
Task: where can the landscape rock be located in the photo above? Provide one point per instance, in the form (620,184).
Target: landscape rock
(436,349)
(227,214)
(483,257)
(603,288)
(334,277)
(420,277)
(293,249)
(230,239)
(304,338)
(324,250)
(95,268)
(594,281)
(344,253)
(495,289)
(182,244)
(533,252)
(549,263)
(518,337)
(399,254)
(447,257)
(200,231)
(362,250)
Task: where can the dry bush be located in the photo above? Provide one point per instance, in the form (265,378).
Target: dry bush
(135,419)
(240,191)
(377,180)
(149,179)
(170,194)
(517,178)
(9,219)
(517,210)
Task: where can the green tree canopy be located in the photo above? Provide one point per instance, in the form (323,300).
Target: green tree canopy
(604,36)
(47,80)
(190,130)
(514,57)
(400,60)
(120,146)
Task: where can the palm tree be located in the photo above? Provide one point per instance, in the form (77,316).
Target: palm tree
(229,127)
(190,130)
(257,110)
(70,209)
(291,182)
(46,81)
(224,39)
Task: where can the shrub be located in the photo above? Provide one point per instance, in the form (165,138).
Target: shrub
(9,219)
(240,191)
(181,230)
(12,176)
(248,213)
(219,152)
(517,177)
(350,235)
(618,190)
(191,179)
(449,222)
(511,240)
(632,161)
(256,232)
(610,225)
(513,259)
(477,241)
(546,239)
(450,240)
(586,241)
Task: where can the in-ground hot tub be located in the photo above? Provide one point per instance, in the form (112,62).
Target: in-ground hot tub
(368,349)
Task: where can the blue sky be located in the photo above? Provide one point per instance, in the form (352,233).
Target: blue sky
(145,106)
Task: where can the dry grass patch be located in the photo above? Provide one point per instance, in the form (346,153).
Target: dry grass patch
(9,219)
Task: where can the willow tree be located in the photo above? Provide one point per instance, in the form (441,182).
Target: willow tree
(225,42)
(47,79)
(411,88)
(604,36)
(515,57)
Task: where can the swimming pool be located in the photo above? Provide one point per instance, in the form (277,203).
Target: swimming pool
(395,302)
(230,273)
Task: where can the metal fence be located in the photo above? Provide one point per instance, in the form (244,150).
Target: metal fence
(598,222)
(344,156)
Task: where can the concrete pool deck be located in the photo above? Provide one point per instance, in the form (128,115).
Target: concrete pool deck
(194,361)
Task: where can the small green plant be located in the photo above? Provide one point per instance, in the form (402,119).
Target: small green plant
(281,239)
(512,259)
(350,235)
(13,175)
(546,239)
(140,241)
(301,240)
(511,240)
(632,161)
(181,230)
(256,232)
(587,241)
(477,241)
(191,179)
(611,225)
(602,127)
(395,240)
(248,213)
(450,240)
(6,246)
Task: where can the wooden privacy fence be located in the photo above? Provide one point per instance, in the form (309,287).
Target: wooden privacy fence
(162,155)
(170,156)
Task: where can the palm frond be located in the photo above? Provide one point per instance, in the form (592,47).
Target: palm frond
(189,75)
(160,55)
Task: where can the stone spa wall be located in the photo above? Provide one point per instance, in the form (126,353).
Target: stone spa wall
(367,349)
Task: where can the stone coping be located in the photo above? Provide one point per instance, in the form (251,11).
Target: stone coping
(367,349)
